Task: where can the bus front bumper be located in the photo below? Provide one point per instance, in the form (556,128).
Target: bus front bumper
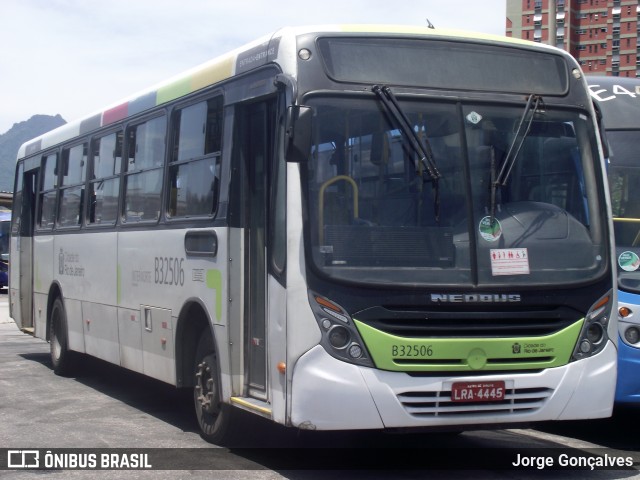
(328,394)
(628,386)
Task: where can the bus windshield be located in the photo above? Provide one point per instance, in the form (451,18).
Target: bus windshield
(624,177)
(377,217)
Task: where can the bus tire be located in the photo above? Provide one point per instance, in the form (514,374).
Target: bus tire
(214,416)
(61,356)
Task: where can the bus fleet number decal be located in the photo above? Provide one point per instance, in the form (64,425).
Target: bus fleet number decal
(406,351)
(169,271)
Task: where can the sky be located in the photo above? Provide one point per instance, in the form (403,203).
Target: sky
(75,57)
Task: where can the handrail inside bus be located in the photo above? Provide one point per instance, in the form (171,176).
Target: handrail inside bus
(626,220)
(324,186)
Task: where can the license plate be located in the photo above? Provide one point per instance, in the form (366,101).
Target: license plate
(477,391)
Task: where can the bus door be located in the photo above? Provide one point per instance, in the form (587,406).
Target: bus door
(25,211)
(256,144)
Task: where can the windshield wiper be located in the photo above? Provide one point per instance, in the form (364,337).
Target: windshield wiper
(426,162)
(534,104)
(388,99)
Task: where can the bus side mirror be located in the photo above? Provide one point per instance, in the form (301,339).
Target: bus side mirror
(298,131)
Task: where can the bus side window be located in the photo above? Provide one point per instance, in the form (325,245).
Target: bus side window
(143,182)
(104,187)
(194,171)
(74,167)
(47,192)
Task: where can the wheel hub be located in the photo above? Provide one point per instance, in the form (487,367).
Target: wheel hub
(206,391)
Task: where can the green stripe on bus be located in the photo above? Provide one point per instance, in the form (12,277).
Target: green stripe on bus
(214,281)
(174,90)
(390,352)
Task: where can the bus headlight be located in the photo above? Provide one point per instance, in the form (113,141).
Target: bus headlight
(632,335)
(595,333)
(593,336)
(340,338)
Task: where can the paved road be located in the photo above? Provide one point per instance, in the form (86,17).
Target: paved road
(105,407)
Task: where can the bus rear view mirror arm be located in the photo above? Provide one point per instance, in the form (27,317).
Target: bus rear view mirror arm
(602,130)
(298,133)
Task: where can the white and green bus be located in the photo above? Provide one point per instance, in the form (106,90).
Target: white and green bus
(345,227)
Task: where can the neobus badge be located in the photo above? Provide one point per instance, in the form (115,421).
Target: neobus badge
(475,298)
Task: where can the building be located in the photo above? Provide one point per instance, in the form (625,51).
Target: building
(601,34)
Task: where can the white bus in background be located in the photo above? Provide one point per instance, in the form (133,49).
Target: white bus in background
(345,227)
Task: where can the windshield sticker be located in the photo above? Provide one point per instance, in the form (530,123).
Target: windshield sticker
(629,261)
(509,261)
(474,118)
(490,230)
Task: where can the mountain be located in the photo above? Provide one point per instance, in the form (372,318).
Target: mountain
(18,134)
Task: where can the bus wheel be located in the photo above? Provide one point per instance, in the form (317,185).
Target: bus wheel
(61,357)
(213,415)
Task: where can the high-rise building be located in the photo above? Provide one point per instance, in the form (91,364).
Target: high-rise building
(601,34)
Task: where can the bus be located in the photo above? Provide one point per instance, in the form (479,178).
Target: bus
(618,99)
(5,228)
(342,227)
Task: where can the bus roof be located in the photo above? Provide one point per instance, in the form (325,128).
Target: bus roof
(619,100)
(246,58)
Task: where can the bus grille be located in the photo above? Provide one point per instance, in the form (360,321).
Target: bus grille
(439,404)
(446,322)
